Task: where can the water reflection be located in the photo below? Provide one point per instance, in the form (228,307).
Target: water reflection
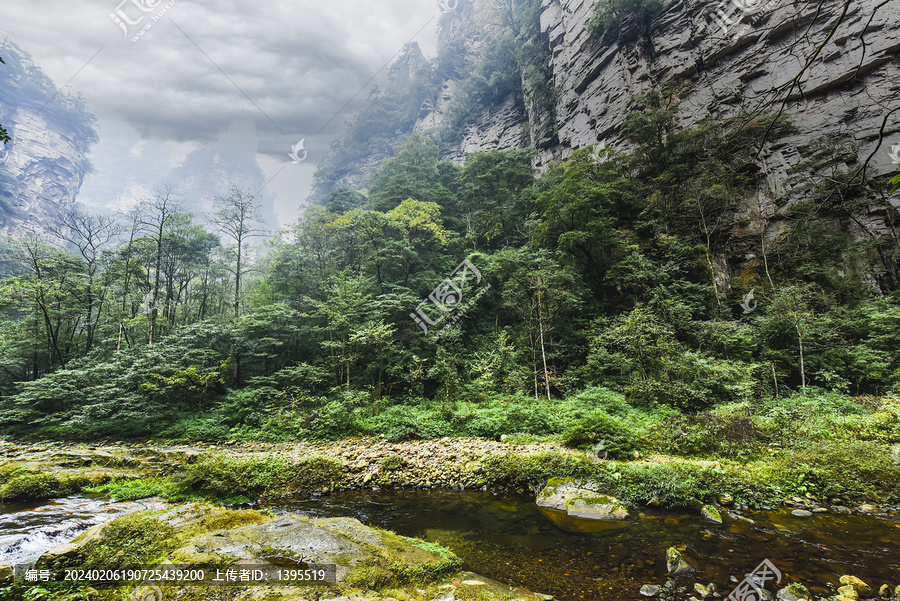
(507,538)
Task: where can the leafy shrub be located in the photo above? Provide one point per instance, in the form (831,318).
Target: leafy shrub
(223,477)
(706,433)
(621,440)
(513,470)
(315,473)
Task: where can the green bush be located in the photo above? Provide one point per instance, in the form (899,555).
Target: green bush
(621,440)
(30,485)
(224,477)
(314,473)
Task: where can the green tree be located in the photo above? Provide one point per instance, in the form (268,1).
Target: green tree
(236,216)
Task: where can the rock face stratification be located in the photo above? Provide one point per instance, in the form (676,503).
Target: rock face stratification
(43,166)
(758,63)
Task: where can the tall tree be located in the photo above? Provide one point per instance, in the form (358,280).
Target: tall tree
(89,234)
(162,208)
(236,216)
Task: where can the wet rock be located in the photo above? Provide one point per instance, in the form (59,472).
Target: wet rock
(577,500)
(711,513)
(701,590)
(676,562)
(840,509)
(867,508)
(60,555)
(650,590)
(819,510)
(884,591)
(725,499)
(794,592)
(861,588)
(802,513)
(7,574)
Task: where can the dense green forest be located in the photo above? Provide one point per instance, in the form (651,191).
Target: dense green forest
(598,314)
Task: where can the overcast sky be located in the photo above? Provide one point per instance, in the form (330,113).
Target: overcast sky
(290,65)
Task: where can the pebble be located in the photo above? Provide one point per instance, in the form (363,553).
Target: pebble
(650,590)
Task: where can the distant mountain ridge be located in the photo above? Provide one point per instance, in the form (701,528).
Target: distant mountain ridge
(43,166)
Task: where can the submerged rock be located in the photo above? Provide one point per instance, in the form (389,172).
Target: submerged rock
(676,562)
(794,592)
(650,590)
(701,590)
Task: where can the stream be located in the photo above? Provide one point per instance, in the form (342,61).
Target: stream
(507,538)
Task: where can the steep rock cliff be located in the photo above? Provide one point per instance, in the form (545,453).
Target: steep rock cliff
(43,167)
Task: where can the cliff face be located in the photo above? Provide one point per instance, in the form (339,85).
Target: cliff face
(43,167)
(849,86)
(832,68)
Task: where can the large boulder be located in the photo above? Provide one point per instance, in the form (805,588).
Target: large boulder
(580,500)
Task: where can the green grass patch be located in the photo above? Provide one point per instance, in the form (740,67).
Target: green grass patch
(134,489)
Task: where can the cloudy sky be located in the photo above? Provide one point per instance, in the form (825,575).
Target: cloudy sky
(277,71)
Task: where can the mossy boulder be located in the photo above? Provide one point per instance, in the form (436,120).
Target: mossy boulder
(711,513)
(359,552)
(794,592)
(862,589)
(580,500)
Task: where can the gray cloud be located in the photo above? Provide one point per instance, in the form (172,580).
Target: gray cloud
(297,61)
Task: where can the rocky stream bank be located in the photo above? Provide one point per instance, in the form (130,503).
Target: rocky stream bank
(207,535)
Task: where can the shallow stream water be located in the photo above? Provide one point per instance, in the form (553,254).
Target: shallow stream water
(506,537)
